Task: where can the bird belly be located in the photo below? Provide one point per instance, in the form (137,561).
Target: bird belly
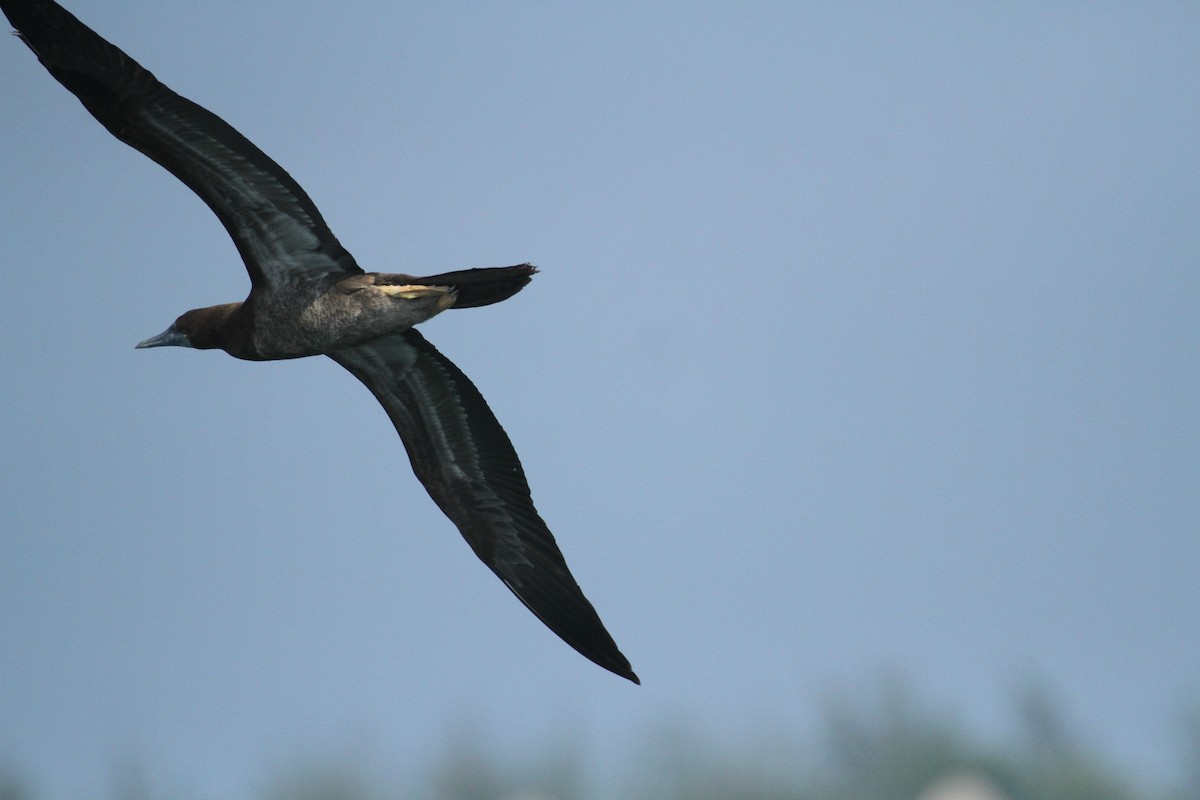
(333,321)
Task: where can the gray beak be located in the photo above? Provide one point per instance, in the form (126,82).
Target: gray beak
(168,338)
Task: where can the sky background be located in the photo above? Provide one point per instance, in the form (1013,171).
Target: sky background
(866,344)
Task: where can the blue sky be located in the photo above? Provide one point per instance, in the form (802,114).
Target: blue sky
(865,343)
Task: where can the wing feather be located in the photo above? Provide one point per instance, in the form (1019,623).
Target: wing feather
(277,229)
(464,458)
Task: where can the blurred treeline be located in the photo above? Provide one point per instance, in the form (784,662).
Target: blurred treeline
(886,748)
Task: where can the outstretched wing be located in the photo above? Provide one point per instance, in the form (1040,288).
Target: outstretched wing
(467,463)
(277,229)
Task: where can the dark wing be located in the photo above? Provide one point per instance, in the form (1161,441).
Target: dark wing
(276,227)
(468,465)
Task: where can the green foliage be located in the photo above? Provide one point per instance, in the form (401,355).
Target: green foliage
(886,748)
(11,788)
(889,748)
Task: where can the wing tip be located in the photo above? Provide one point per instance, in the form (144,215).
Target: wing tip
(610,658)
(618,664)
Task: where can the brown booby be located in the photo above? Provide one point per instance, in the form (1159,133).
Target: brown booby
(309,297)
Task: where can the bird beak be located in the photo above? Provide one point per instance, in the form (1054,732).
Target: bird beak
(168,338)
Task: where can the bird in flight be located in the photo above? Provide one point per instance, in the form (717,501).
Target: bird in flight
(308,297)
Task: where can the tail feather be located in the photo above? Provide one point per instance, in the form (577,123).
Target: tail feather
(481,287)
